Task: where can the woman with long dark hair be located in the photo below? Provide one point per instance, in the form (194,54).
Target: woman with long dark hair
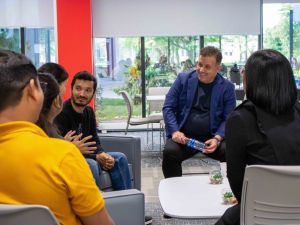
(264,129)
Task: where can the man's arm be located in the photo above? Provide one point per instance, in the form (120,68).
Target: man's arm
(100,218)
(93,131)
(63,124)
(229,106)
(170,107)
(105,160)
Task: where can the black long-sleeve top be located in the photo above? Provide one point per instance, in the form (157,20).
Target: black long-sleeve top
(254,136)
(84,123)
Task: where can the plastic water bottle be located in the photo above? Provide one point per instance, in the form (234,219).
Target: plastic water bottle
(198,145)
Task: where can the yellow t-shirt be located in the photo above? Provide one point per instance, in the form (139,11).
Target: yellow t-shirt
(36,169)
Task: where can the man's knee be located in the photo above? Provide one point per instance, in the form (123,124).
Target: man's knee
(118,155)
(120,158)
(92,163)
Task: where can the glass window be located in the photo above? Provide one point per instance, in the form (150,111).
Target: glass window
(10,39)
(277,33)
(40,45)
(117,67)
(167,56)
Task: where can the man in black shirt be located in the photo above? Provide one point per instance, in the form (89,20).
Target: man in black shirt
(79,118)
(196,106)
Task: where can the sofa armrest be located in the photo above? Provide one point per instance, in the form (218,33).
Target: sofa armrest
(131,147)
(126,207)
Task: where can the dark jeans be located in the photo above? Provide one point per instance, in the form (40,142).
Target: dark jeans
(119,174)
(174,154)
(231,216)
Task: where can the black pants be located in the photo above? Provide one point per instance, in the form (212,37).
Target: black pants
(174,154)
(231,216)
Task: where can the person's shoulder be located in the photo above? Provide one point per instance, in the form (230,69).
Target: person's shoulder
(67,105)
(88,109)
(58,145)
(186,75)
(246,110)
(52,150)
(67,109)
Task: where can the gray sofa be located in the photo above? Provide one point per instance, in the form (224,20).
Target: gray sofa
(125,207)
(131,147)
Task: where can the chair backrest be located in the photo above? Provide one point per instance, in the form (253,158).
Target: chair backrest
(271,195)
(26,214)
(156,106)
(128,102)
(158,90)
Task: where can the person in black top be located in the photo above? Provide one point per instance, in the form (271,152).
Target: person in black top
(77,118)
(264,129)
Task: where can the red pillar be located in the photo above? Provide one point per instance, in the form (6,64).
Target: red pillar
(74,37)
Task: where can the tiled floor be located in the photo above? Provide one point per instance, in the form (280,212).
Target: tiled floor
(152,174)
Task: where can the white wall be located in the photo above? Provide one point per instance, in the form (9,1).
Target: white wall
(26,13)
(120,18)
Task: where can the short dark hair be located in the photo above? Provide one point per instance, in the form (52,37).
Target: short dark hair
(56,70)
(84,75)
(270,83)
(16,70)
(50,89)
(212,51)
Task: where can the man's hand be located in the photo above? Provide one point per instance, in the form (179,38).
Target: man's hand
(179,137)
(85,146)
(211,145)
(106,161)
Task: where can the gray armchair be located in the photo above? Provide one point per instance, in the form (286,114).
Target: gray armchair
(125,207)
(131,147)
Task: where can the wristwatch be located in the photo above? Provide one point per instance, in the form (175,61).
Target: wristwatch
(217,140)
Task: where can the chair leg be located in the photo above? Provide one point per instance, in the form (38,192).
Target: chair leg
(160,136)
(152,135)
(147,133)
(126,128)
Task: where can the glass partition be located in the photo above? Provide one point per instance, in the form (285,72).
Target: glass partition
(117,66)
(281,31)
(40,45)
(10,39)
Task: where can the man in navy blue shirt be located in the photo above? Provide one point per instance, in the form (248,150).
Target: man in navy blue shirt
(196,106)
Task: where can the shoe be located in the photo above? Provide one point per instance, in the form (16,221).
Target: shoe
(148,220)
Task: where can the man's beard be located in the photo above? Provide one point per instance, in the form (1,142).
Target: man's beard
(78,103)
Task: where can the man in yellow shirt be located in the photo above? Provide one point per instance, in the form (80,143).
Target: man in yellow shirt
(36,169)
